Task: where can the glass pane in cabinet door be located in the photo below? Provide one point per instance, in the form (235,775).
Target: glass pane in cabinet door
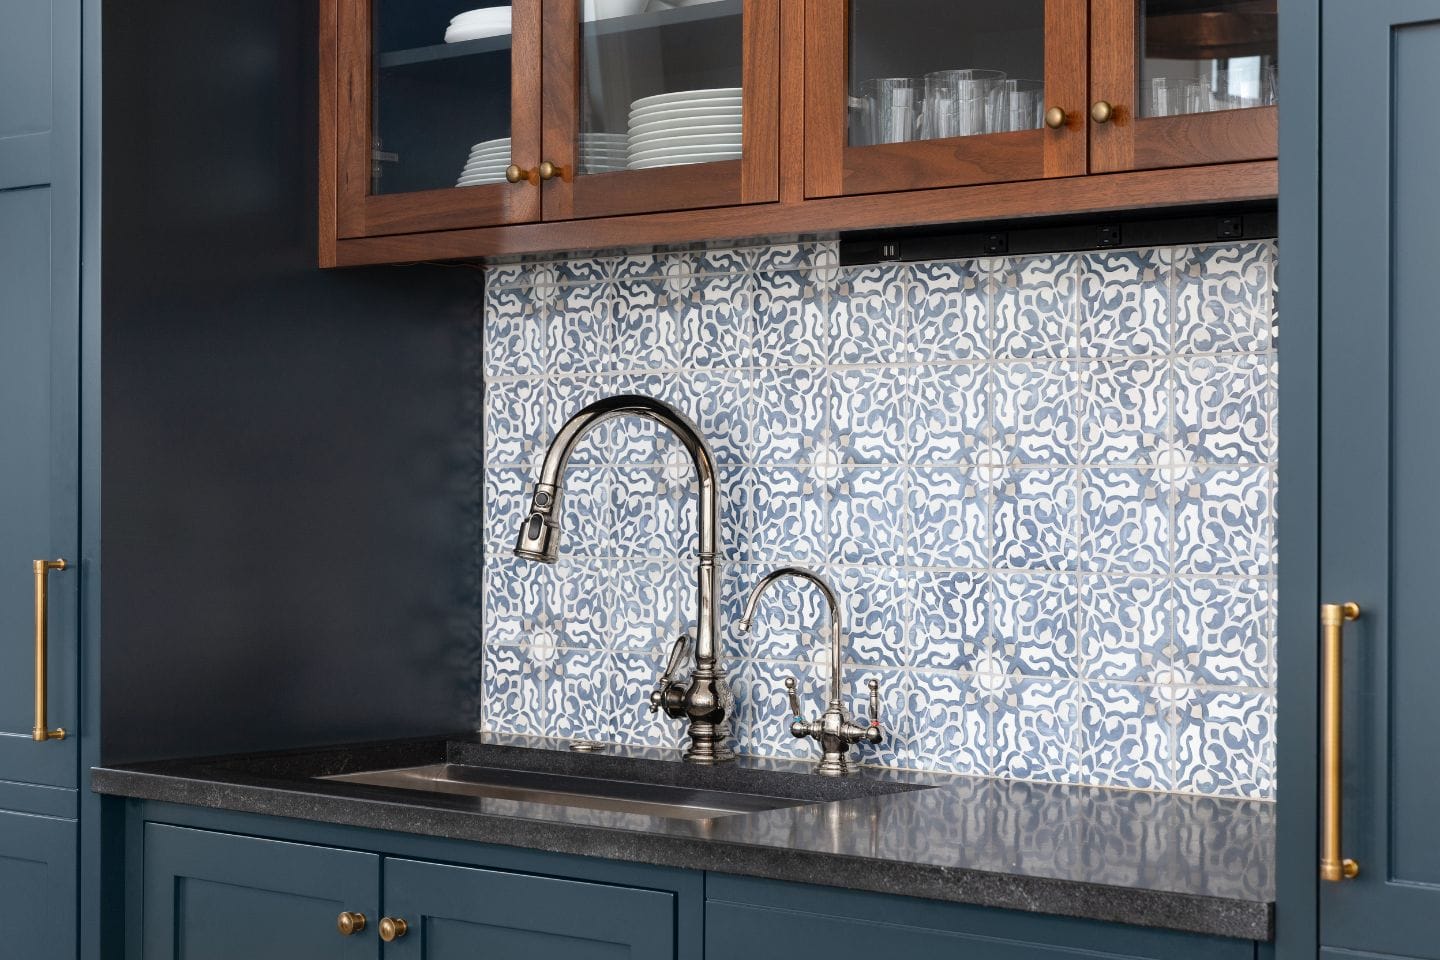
(441,111)
(1204,55)
(930,69)
(660,83)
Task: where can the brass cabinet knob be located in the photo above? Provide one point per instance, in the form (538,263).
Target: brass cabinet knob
(1055,118)
(548,170)
(514,173)
(392,928)
(1101,111)
(349,923)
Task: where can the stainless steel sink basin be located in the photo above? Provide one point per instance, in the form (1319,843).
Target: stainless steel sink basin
(625,796)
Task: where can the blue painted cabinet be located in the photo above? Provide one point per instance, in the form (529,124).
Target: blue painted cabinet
(770,920)
(1380,456)
(457,913)
(216,896)
(37,886)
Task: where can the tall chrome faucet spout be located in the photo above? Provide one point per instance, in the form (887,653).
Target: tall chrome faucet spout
(706,701)
(831,601)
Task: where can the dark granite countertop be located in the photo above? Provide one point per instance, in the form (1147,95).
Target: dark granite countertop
(1185,863)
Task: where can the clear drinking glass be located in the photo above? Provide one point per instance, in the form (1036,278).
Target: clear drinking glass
(1229,46)
(933,40)
(894,108)
(1021,105)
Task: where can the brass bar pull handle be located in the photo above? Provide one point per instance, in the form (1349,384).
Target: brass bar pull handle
(1333,617)
(42,731)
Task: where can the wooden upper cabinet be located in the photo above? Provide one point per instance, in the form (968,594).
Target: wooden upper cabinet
(1186,82)
(417,116)
(658,106)
(911,94)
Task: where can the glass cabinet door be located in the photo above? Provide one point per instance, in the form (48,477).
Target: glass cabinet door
(907,94)
(659,105)
(439,114)
(1183,82)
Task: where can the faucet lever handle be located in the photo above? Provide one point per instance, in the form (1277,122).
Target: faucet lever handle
(794,698)
(677,656)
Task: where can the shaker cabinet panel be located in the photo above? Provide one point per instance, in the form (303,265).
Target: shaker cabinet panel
(455,913)
(37,876)
(216,896)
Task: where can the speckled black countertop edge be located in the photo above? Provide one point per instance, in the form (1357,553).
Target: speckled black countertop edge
(225,785)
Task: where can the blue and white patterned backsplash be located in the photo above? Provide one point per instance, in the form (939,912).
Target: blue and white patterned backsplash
(1044,487)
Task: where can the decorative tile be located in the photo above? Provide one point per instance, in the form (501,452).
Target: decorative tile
(653,603)
(1225,630)
(507,503)
(1034,623)
(867,515)
(949,414)
(514,338)
(791,415)
(1223,408)
(1125,741)
(567,397)
(791,327)
(898,698)
(952,506)
(791,621)
(951,618)
(951,724)
(762,713)
(513,690)
(521,602)
(1224,298)
(869,411)
(1226,744)
(1225,522)
(1033,306)
(1125,410)
(586,611)
(1125,520)
(875,612)
(575,706)
(951,316)
(1033,728)
(518,422)
(1127,627)
(1124,303)
(587,512)
(715,321)
(644,325)
(654,513)
(869,316)
(1033,520)
(579,331)
(718,402)
(630,675)
(1035,411)
(791,519)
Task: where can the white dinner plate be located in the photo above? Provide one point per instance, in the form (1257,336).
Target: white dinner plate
(484,14)
(686,96)
(478,181)
(730,107)
(496,155)
(686,152)
(687,125)
(681,161)
(483,168)
(487,144)
(684,136)
(701,144)
(460,32)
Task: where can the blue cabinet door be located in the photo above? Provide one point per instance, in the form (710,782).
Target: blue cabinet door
(1380,462)
(39,373)
(216,896)
(37,886)
(459,913)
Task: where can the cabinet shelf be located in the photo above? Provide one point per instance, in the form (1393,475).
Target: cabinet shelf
(714,10)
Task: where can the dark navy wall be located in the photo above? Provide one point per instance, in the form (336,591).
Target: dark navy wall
(290,456)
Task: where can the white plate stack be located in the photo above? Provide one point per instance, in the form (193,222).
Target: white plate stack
(487,163)
(476,24)
(603,152)
(689,126)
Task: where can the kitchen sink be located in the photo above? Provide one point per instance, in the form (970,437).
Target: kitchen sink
(530,786)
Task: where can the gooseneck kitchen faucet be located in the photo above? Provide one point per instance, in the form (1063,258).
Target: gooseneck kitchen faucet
(833,730)
(705,700)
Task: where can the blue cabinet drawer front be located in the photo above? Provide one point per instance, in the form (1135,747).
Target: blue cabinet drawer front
(37,880)
(466,912)
(761,919)
(217,896)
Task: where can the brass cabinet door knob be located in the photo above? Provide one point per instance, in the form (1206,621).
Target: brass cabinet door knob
(548,170)
(349,923)
(1055,118)
(1101,111)
(515,173)
(392,928)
